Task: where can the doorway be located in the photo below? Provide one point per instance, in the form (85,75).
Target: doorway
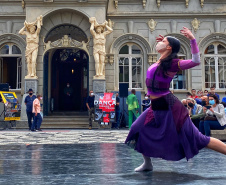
(69,66)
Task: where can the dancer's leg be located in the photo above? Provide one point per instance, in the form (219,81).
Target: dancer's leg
(146,166)
(217,145)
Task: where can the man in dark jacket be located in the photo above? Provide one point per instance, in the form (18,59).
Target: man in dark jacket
(29,104)
(90,105)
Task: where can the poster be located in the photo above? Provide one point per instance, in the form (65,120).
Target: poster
(12,107)
(105,107)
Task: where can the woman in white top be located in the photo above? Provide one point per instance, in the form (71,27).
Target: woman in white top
(216,110)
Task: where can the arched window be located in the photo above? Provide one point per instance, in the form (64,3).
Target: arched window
(180,79)
(131,66)
(10,65)
(215,66)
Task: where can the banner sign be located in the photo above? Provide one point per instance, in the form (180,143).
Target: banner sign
(12,107)
(105,107)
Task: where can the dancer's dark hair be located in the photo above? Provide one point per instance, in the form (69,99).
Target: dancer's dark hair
(165,64)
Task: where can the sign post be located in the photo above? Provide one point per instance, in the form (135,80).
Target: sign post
(104,108)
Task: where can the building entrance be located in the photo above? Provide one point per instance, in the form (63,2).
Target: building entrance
(69,79)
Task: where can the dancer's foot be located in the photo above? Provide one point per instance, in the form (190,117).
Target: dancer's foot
(144,167)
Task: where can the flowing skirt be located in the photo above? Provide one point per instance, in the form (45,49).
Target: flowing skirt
(166,131)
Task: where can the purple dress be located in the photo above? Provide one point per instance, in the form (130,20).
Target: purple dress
(165,130)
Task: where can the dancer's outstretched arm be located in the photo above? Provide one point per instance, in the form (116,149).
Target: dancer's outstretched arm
(187,64)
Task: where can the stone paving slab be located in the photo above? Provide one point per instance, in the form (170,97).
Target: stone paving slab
(62,137)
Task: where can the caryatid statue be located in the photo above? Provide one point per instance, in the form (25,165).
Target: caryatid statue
(31,30)
(99,41)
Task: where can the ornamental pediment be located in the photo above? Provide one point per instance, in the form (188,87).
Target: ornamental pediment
(66,42)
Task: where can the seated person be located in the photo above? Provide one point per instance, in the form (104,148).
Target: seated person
(184,102)
(215,119)
(224,98)
(194,109)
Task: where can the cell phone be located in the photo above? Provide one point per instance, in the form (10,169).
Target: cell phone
(208,106)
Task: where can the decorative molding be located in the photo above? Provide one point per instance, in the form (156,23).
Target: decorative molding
(116,4)
(158,3)
(111,23)
(202,3)
(141,41)
(186,3)
(152,24)
(152,58)
(220,37)
(23,4)
(109,58)
(66,42)
(195,24)
(48,1)
(144,3)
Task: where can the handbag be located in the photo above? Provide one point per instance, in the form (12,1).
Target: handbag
(210,118)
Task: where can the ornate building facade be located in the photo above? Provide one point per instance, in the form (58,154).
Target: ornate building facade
(65,52)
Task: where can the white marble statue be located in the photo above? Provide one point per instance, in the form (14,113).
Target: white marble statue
(31,30)
(99,41)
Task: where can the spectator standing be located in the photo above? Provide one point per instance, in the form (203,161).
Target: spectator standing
(212,91)
(90,106)
(146,103)
(37,114)
(117,112)
(133,106)
(216,112)
(29,105)
(193,92)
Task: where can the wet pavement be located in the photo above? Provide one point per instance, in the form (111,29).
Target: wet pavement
(102,164)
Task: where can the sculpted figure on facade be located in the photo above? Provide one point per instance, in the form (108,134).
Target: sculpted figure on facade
(99,41)
(31,30)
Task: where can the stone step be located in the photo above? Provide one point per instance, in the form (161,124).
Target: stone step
(219,134)
(66,120)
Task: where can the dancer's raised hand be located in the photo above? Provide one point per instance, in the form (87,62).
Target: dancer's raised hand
(160,38)
(187,33)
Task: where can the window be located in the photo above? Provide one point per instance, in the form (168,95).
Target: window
(215,66)
(131,66)
(179,80)
(11,65)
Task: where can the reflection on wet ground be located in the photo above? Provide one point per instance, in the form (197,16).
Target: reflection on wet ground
(102,164)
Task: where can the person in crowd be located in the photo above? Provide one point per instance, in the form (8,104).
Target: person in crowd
(224,104)
(117,111)
(133,106)
(215,116)
(188,95)
(184,102)
(206,92)
(193,94)
(1,100)
(199,94)
(29,105)
(224,98)
(68,97)
(194,109)
(146,103)
(212,91)
(90,106)
(36,125)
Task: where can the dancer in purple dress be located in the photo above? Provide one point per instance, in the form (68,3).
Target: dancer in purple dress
(165,130)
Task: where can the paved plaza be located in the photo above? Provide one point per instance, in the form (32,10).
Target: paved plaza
(62,137)
(74,157)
